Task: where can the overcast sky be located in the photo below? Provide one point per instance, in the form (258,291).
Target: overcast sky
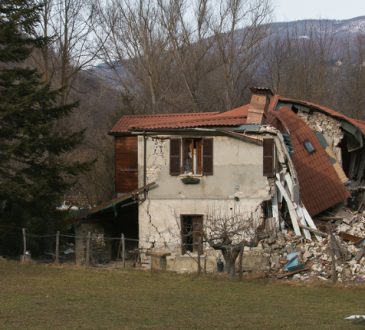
(289,10)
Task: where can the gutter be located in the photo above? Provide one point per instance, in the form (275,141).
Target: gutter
(145,191)
(226,132)
(240,136)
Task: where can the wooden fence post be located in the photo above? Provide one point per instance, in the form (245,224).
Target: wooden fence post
(240,275)
(87,261)
(333,257)
(123,249)
(119,252)
(205,263)
(200,246)
(24,243)
(57,259)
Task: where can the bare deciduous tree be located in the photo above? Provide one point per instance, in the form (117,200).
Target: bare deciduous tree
(136,51)
(351,72)
(299,61)
(188,30)
(230,231)
(70,26)
(239,30)
(182,55)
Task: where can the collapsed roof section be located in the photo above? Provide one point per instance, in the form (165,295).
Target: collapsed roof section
(320,186)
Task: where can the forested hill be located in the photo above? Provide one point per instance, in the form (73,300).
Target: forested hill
(335,45)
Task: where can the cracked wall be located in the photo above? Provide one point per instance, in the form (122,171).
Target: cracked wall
(237,182)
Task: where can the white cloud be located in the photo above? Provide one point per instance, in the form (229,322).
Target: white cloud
(289,10)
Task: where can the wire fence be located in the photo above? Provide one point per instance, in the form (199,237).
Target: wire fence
(89,249)
(93,248)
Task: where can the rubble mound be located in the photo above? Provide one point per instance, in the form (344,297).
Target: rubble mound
(341,252)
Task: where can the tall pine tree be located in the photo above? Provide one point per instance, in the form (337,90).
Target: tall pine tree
(33,174)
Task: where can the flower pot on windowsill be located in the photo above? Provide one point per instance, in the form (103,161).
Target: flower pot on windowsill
(190,180)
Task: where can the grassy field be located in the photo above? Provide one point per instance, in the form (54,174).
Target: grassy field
(49,297)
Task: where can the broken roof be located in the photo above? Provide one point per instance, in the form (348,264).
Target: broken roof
(320,186)
(234,117)
(113,205)
(360,124)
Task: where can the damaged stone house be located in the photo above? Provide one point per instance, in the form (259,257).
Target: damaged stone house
(288,161)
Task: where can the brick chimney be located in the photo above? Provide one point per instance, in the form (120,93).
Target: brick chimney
(259,104)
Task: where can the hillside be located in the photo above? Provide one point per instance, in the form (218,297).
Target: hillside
(340,30)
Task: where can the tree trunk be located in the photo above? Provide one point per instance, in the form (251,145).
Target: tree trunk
(230,256)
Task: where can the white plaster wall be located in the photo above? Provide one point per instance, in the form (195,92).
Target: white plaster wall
(159,220)
(237,170)
(237,173)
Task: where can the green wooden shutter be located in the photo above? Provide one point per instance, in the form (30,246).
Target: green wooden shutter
(175,157)
(208,156)
(268,158)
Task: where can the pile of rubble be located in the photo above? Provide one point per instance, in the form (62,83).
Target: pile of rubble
(342,243)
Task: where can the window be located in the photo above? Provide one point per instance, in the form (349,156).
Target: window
(191,233)
(309,146)
(191,156)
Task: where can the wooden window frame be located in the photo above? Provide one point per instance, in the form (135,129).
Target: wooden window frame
(201,153)
(191,241)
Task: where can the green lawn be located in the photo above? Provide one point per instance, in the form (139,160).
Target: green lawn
(48,297)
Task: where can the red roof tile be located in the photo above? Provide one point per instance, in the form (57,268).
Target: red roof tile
(232,117)
(125,122)
(240,111)
(320,186)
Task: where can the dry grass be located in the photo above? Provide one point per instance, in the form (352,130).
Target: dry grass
(48,297)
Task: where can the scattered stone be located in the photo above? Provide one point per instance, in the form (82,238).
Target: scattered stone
(359,254)
(297,277)
(316,256)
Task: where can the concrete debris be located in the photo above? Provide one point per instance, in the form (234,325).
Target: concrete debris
(316,256)
(357,319)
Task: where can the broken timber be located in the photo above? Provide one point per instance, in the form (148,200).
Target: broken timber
(292,273)
(298,214)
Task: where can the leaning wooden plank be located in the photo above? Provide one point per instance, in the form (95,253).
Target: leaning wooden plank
(292,273)
(360,172)
(290,184)
(275,209)
(314,231)
(329,218)
(303,223)
(291,207)
(310,221)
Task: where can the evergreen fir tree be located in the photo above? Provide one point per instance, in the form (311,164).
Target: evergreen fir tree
(33,173)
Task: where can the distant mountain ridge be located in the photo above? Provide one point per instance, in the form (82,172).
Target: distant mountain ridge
(341,29)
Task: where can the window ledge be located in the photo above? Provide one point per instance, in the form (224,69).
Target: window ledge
(190,175)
